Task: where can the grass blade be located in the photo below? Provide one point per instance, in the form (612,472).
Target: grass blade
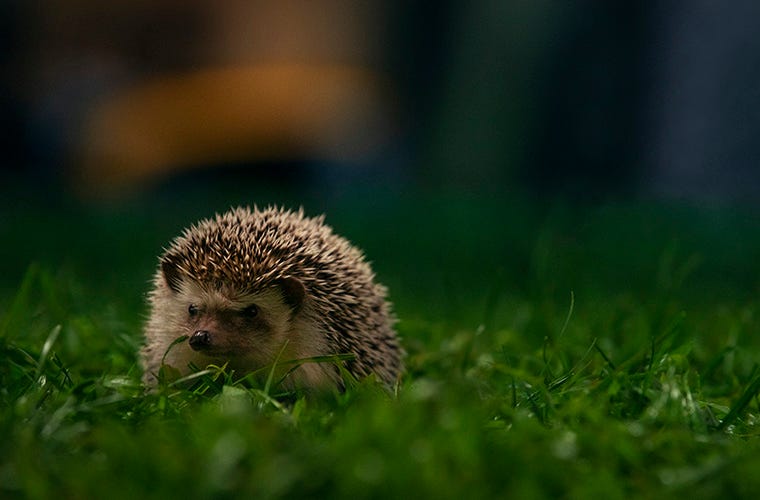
(46,347)
(750,392)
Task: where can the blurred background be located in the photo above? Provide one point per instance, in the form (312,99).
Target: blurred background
(589,100)
(454,141)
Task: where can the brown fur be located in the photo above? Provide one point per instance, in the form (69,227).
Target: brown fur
(313,294)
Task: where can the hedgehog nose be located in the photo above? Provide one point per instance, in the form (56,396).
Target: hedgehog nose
(200,340)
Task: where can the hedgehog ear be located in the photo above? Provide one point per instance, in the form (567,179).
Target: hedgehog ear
(293,292)
(172,274)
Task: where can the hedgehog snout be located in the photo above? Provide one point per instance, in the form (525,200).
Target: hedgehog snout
(200,340)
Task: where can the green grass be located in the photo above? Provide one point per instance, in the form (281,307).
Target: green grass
(568,352)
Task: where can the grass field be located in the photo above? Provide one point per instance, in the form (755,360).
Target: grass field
(554,351)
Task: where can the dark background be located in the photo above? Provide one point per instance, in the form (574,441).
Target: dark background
(589,101)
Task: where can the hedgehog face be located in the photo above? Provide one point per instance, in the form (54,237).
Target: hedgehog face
(246,329)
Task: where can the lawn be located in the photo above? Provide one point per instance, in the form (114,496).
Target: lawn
(554,350)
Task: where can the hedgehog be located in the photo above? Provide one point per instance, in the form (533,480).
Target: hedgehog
(256,289)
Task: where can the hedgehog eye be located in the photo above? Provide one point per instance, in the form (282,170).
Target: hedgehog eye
(250,312)
(192,310)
